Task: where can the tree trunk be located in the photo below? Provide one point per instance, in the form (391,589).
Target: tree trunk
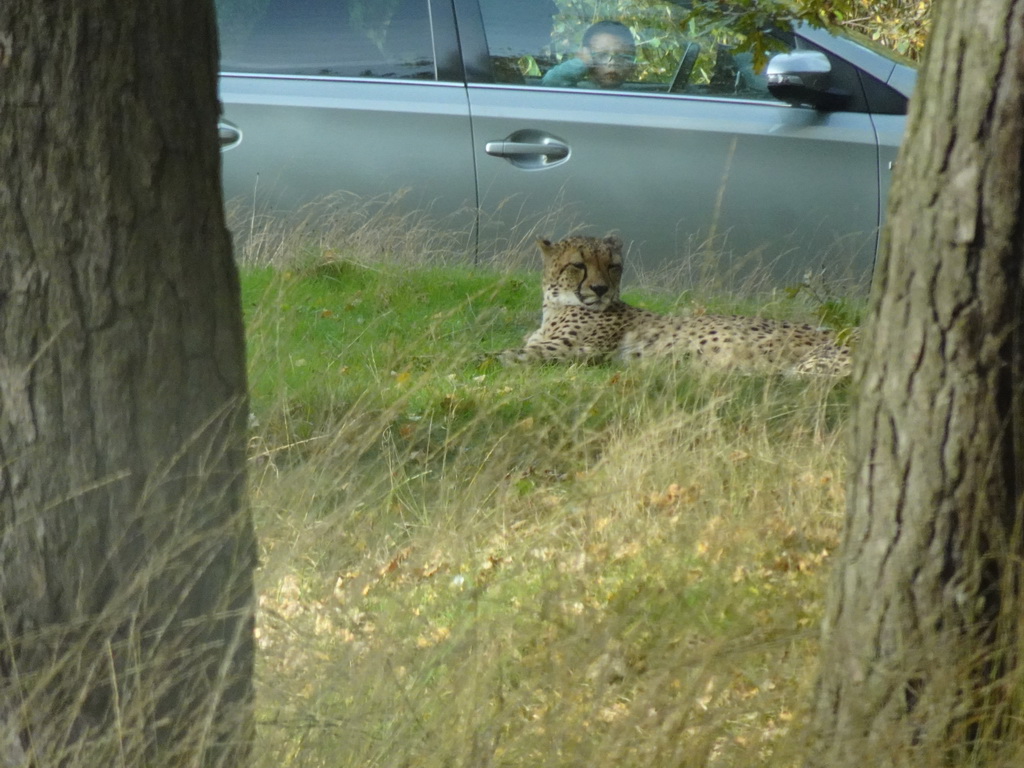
(921,637)
(126,553)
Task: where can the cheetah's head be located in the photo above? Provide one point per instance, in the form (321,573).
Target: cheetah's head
(582,271)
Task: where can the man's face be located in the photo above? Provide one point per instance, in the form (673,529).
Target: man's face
(609,59)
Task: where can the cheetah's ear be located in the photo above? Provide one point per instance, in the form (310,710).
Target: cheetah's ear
(614,242)
(545,245)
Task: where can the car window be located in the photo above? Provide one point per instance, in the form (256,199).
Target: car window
(539,43)
(334,38)
(518,38)
(530,40)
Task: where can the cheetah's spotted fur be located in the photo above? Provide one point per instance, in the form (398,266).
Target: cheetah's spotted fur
(585,320)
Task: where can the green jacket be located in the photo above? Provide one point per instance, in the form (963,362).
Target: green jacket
(568,74)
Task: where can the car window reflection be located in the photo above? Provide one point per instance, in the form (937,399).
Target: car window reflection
(652,50)
(335,38)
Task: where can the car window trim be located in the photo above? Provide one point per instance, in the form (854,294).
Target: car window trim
(444,34)
(476,57)
(770,103)
(340,79)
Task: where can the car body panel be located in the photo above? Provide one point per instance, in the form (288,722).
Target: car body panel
(889,129)
(681,178)
(903,78)
(308,138)
(723,185)
(866,55)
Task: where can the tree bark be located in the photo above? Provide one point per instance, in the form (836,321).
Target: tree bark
(922,630)
(126,553)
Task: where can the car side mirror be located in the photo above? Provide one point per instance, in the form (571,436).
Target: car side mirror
(804,78)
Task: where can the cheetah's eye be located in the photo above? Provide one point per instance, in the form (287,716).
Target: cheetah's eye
(579,265)
(615,267)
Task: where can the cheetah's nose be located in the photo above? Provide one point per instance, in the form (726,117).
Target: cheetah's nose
(600,290)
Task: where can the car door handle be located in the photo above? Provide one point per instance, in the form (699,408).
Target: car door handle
(552,150)
(228,135)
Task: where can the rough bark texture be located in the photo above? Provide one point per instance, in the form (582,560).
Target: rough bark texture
(126,555)
(921,639)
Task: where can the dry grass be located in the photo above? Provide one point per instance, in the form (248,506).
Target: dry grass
(655,603)
(469,565)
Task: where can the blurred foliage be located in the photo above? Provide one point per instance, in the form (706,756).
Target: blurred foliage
(902,25)
(899,24)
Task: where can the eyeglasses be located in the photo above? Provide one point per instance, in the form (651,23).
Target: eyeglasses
(605,58)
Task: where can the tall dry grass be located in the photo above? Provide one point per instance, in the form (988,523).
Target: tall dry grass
(556,566)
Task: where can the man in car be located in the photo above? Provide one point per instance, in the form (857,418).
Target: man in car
(605,60)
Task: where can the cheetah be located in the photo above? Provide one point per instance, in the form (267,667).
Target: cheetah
(584,320)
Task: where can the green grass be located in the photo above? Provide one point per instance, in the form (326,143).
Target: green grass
(467,564)
(343,333)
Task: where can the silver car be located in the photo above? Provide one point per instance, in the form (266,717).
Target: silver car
(705,150)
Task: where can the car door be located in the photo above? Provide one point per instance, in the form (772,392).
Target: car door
(346,103)
(707,175)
